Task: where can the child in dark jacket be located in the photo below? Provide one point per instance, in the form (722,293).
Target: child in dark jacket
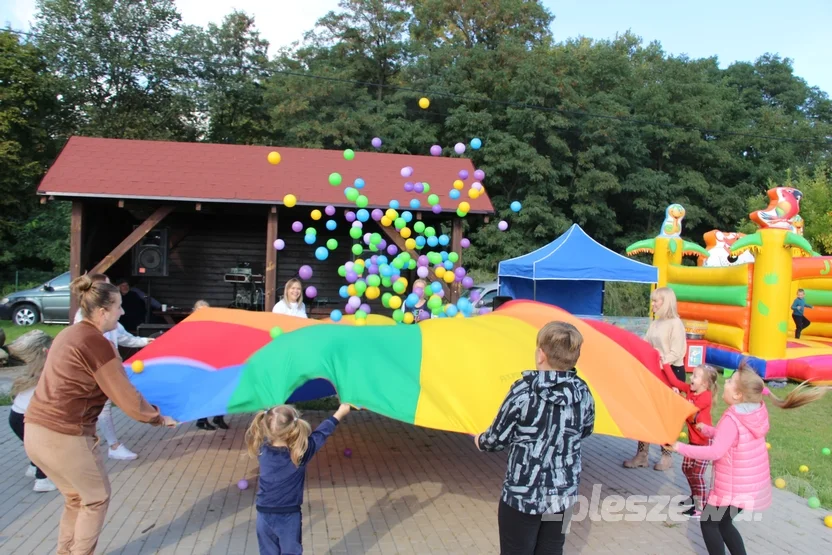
(542,421)
(284,444)
(800,320)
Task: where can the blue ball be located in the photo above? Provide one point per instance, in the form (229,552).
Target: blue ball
(451,310)
(394,204)
(444,240)
(454,194)
(436,287)
(362,215)
(444,255)
(407,216)
(414,204)
(516,206)
(310,239)
(420,241)
(385,270)
(359,183)
(411,300)
(382,260)
(448,265)
(321,253)
(343,292)
(433,241)
(335,315)
(331,225)
(476,143)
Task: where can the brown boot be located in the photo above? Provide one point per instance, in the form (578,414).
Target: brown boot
(640,460)
(665,463)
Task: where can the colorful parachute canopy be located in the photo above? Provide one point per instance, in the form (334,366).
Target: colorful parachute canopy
(449,373)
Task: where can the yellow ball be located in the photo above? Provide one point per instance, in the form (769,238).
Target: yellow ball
(351,290)
(779,483)
(683,435)
(828,521)
(464,206)
(440,271)
(137,366)
(459,184)
(408,318)
(392,214)
(289,201)
(473,193)
(405,232)
(803,468)
(274,158)
(410,244)
(386,222)
(448,277)
(360,322)
(316,214)
(395,302)
(372,292)
(424,103)
(768,445)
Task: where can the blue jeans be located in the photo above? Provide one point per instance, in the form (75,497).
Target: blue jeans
(279,534)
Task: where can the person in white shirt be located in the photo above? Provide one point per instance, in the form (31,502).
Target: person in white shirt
(292,301)
(34,355)
(118,336)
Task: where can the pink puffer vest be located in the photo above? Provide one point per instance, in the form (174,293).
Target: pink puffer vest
(742,477)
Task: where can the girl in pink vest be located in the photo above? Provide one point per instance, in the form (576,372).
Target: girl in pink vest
(742,479)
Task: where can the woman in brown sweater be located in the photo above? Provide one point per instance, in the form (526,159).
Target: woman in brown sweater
(667,335)
(82,371)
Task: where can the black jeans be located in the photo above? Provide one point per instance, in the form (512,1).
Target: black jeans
(718,530)
(16,423)
(679,372)
(524,534)
(800,324)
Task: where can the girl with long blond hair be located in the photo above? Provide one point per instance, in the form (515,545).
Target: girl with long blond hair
(667,335)
(292,302)
(33,354)
(742,477)
(284,444)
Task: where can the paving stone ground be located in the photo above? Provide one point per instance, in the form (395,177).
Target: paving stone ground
(404,490)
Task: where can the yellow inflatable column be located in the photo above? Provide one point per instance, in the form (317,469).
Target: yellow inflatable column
(770,299)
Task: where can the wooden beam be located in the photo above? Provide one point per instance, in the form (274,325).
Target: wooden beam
(456,246)
(75,236)
(128,243)
(399,241)
(271,260)
(121,204)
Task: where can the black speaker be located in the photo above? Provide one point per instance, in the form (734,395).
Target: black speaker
(150,254)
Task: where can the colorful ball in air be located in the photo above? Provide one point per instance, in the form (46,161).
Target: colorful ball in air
(476,143)
(376,142)
(473,194)
(275,332)
(780,483)
(242,484)
(813,502)
(467,282)
(464,207)
(137,366)
(424,103)
(332,244)
(454,194)
(279,244)
(352,195)
(336,315)
(406,171)
(358,183)
(362,201)
(503,225)
(463,174)
(274,158)
(305,272)
(407,318)
(310,238)
(331,225)
(316,215)
(479,175)
(826,451)
(349,154)
(321,253)
(436,150)
(290,201)
(335,179)
(459,148)
(357,249)
(516,206)
(329,210)
(803,468)
(465,243)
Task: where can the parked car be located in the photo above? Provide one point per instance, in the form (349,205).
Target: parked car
(48,303)
(486,292)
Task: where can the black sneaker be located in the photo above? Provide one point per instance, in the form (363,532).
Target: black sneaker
(219,422)
(686,502)
(203,424)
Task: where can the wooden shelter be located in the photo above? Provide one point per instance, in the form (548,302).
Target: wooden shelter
(220,207)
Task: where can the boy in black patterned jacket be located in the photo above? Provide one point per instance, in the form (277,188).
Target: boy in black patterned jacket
(543,421)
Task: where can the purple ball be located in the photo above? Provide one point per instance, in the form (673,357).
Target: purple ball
(365,307)
(349,309)
(373,268)
(382,245)
(424,315)
(348,452)
(422,260)
(419,291)
(467,282)
(436,209)
(279,244)
(465,243)
(242,484)
(354,302)
(483,311)
(392,250)
(305,272)
(408,187)
(503,225)
(376,142)
(297,227)
(475,296)
(459,148)
(463,174)
(330,210)
(311,292)
(460,272)
(377,214)
(479,175)
(407,171)
(349,215)
(476,185)
(419,187)
(422,272)
(436,150)
(367,237)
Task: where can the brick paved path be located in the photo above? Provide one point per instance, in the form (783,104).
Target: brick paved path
(404,490)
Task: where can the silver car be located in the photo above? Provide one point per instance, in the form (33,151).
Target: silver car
(48,303)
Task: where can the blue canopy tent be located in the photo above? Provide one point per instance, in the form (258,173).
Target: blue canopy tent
(570,273)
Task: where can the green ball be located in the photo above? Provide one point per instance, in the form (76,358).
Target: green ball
(404,256)
(453,257)
(460,213)
(826,451)
(429,231)
(373,280)
(360,287)
(813,502)
(419,227)
(433,200)
(398,315)
(398,264)
(375,238)
(357,249)
(434,258)
(352,194)
(411,264)
(387,282)
(373,248)
(332,244)
(342,271)
(434,303)
(426,189)
(275,332)
(349,154)
(355,232)
(360,315)
(362,201)
(385,300)
(335,179)
(311,231)
(358,269)
(399,287)
(399,223)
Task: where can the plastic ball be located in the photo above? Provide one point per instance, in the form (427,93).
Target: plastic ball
(516,206)
(436,209)
(476,143)
(349,154)
(433,199)
(329,210)
(274,158)
(473,194)
(336,315)
(503,225)
(468,282)
(357,249)
(335,179)
(828,521)
(465,243)
(408,318)
(415,203)
(297,227)
(137,366)
(463,174)
(803,468)
(449,277)
(394,204)
(407,171)
(348,452)
(289,201)
(351,194)
(358,183)
(768,445)
(436,150)
(331,225)
(362,215)
(331,244)
(683,435)
(242,484)
(464,207)
(424,103)
(321,253)
(454,194)
(305,272)
(279,244)
(408,187)
(779,483)
(310,238)
(376,142)
(362,201)
(459,148)
(395,302)
(813,502)
(479,175)
(316,215)
(275,332)
(826,451)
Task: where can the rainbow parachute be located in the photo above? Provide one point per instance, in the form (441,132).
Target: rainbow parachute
(448,374)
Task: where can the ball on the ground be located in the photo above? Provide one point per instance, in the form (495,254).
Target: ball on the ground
(137,366)
(803,468)
(683,435)
(779,483)
(424,103)
(274,158)
(826,451)
(813,502)
(242,484)
(768,445)
(828,521)
(348,452)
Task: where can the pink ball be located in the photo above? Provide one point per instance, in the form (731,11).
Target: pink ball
(279,244)
(436,150)
(297,227)
(465,243)
(422,260)
(242,484)
(407,171)
(459,148)
(354,302)
(305,272)
(503,225)
(311,292)
(476,185)
(376,142)
(349,309)
(330,210)
(422,272)
(479,175)
(365,307)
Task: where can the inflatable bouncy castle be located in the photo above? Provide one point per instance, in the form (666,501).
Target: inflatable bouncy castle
(742,291)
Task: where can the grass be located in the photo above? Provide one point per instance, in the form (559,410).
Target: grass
(13,332)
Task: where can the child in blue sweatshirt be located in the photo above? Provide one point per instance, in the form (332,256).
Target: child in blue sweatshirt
(798,306)
(284,443)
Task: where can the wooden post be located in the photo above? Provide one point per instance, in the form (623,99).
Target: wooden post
(125,246)
(271,259)
(75,241)
(456,246)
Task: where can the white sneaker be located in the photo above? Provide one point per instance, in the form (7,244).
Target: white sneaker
(31,471)
(44,485)
(121,453)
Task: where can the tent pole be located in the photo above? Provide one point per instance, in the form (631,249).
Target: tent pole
(603,294)
(534,295)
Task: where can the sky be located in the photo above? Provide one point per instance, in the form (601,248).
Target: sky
(732,30)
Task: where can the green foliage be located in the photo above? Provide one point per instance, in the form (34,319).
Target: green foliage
(626,299)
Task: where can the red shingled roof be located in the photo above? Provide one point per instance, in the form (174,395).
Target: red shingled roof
(115,168)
